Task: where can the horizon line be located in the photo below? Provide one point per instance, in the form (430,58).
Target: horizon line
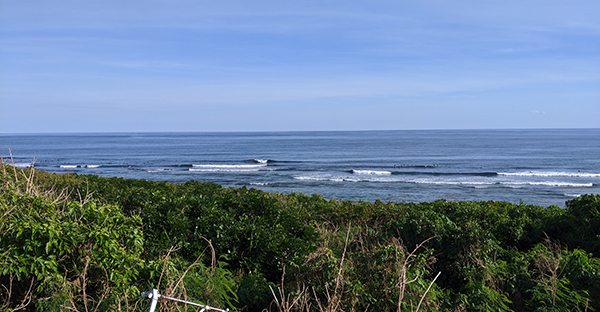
(286,131)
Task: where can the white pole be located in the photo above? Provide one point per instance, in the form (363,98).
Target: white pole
(154,295)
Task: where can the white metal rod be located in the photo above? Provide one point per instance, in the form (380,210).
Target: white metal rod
(154,295)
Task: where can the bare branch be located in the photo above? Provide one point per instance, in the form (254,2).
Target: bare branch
(425,294)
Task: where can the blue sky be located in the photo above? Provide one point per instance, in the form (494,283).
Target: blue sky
(120,66)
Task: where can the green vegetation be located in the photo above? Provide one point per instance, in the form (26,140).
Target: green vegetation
(86,243)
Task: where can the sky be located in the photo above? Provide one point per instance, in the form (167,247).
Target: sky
(147,66)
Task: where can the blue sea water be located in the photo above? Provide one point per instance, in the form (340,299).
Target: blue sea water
(541,167)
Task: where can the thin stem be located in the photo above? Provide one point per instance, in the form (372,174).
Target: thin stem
(425,294)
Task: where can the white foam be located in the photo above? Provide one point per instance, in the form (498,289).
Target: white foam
(262,161)
(259,183)
(222,170)
(157,170)
(312,178)
(376,172)
(22,165)
(92,166)
(550,174)
(68,166)
(479,184)
(572,195)
(330,179)
(210,166)
(557,184)
(505,183)
(337,179)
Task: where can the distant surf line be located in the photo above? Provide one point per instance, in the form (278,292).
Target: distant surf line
(435,182)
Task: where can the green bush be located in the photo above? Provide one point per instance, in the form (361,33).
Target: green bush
(71,255)
(85,242)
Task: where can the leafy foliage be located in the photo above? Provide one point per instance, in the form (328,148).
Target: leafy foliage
(70,255)
(91,243)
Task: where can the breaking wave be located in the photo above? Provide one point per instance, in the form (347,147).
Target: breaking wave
(80,166)
(69,166)
(381,178)
(550,174)
(508,183)
(376,172)
(212,166)
(23,165)
(222,170)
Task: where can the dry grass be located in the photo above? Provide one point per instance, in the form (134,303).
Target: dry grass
(336,294)
(25,180)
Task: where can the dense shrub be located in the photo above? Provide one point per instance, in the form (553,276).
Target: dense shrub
(85,242)
(67,256)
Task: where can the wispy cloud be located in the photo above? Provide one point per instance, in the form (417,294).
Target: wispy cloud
(141,56)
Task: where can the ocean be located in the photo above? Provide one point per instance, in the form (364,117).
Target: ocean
(541,167)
